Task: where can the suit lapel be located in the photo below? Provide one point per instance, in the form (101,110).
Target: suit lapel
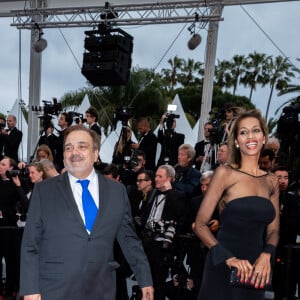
(65,191)
(103,202)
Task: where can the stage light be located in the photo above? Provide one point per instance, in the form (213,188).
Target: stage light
(194,41)
(40,45)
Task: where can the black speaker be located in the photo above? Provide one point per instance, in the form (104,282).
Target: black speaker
(107,60)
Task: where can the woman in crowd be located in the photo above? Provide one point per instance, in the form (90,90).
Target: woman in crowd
(43,152)
(123,147)
(249,221)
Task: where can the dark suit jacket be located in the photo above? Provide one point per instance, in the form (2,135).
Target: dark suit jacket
(11,143)
(96,128)
(174,209)
(148,144)
(61,260)
(169,146)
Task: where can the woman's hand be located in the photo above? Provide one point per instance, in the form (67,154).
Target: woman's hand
(243,266)
(261,271)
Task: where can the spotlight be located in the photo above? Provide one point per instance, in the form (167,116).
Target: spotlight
(194,41)
(40,45)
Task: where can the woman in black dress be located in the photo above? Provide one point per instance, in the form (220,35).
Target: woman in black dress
(249,222)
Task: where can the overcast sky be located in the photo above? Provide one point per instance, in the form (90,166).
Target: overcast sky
(237,35)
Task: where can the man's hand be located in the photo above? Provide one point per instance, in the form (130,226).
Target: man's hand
(148,293)
(135,146)
(33,297)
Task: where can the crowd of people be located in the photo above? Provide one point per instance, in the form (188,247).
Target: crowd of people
(182,224)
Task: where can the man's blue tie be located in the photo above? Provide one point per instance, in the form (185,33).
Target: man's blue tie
(89,206)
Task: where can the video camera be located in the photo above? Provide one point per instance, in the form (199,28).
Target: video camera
(22,173)
(122,114)
(216,119)
(77,117)
(49,110)
(289,122)
(131,161)
(170,117)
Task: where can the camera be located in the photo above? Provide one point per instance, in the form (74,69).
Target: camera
(131,161)
(2,126)
(122,114)
(216,119)
(289,121)
(170,117)
(49,109)
(13,173)
(164,231)
(77,117)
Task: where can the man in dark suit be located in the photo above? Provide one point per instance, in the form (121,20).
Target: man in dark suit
(170,141)
(147,143)
(65,120)
(11,138)
(163,217)
(66,256)
(91,116)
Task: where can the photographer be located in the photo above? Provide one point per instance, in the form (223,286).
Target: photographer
(11,138)
(2,126)
(65,120)
(203,149)
(12,201)
(186,178)
(48,138)
(91,116)
(147,142)
(163,217)
(169,140)
(122,149)
(286,278)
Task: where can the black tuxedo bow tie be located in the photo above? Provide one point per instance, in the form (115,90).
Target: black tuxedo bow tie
(161,192)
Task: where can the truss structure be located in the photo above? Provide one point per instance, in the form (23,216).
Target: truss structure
(119,15)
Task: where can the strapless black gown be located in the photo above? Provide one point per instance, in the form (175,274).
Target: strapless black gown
(242,228)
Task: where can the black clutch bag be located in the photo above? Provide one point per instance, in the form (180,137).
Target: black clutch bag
(235,281)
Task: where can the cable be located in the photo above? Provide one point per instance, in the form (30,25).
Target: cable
(267,35)
(171,45)
(76,60)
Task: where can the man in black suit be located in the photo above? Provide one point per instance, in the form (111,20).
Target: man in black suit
(204,150)
(11,138)
(65,255)
(147,143)
(169,140)
(65,120)
(91,116)
(2,126)
(163,217)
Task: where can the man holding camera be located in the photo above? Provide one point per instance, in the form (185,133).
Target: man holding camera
(163,217)
(11,138)
(169,140)
(11,197)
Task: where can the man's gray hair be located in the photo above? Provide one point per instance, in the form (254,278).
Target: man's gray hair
(170,171)
(206,174)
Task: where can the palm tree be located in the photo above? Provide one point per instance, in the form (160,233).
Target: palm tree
(292,88)
(189,70)
(171,74)
(222,74)
(278,75)
(254,71)
(237,69)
